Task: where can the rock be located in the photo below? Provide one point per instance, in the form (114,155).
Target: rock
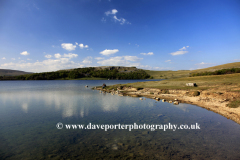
(140,98)
(163,100)
(157,98)
(169,101)
(191,84)
(176,102)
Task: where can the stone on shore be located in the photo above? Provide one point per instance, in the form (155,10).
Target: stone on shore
(176,102)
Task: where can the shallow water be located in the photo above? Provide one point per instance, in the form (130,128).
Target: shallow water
(30,110)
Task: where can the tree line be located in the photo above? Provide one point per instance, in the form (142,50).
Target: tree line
(218,72)
(81,73)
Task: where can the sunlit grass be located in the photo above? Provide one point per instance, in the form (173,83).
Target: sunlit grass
(186,73)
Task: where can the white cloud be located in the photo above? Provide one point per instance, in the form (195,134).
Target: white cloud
(120,61)
(132,58)
(3,58)
(181,51)
(121,20)
(44,66)
(202,63)
(57,55)
(99,58)
(48,56)
(113,11)
(146,54)
(24,53)
(168,61)
(87,60)
(107,52)
(153,68)
(29,59)
(70,55)
(236,60)
(68,46)
(178,53)
(137,45)
(13,58)
(183,48)
(82,46)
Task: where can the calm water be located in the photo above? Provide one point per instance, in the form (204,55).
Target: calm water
(30,110)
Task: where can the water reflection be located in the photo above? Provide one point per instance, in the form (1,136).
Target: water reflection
(36,110)
(72,103)
(182,106)
(25,107)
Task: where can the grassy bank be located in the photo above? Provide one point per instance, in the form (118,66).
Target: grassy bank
(228,82)
(216,84)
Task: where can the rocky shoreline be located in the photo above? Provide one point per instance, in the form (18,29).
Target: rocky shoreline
(210,100)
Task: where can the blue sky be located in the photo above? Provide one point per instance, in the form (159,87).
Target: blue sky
(50,35)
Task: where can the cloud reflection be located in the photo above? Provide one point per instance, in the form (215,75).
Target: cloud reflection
(69,103)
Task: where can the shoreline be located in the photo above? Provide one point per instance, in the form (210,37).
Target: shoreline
(213,101)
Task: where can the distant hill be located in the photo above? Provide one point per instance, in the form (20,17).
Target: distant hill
(9,72)
(223,66)
(186,73)
(105,72)
(118,68)
(113,72)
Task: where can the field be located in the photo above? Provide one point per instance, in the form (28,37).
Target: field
(186,73)
(229,82)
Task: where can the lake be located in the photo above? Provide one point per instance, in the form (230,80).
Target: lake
(31,110)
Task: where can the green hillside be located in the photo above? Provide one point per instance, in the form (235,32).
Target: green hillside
(187,73)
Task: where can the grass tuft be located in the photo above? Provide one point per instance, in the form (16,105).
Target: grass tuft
(234,104)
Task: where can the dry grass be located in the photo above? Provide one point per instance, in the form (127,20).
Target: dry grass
(229,82)
(186,73)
